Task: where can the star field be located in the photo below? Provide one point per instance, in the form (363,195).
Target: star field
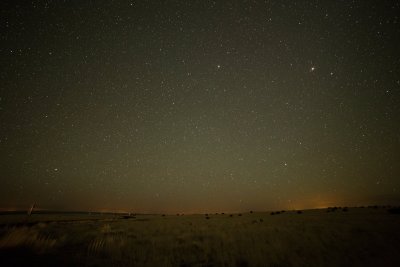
(199,106)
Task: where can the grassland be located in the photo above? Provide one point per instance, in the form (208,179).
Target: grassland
(356,237)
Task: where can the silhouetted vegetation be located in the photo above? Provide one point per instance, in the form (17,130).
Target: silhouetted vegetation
(276,212)
(242,263)
(332,209)
(128,217)
(395,210)
(299,212)
(345,209)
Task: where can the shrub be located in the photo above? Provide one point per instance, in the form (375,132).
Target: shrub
(299,212)
(241,263)
(332,209)
(394,210)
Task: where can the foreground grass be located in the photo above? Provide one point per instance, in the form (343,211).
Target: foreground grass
(358,237)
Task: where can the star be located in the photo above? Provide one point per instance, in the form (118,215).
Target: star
(143,108)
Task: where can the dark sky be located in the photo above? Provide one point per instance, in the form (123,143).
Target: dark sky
(199,106)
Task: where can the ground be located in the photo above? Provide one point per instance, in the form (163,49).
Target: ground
(354,237)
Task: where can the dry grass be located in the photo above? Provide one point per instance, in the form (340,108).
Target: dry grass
(28,237)
(359,237)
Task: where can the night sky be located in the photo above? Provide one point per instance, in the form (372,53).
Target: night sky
(199,106)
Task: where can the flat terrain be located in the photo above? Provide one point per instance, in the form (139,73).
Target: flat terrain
(357,237)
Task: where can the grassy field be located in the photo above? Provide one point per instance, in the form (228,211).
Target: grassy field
(356,237)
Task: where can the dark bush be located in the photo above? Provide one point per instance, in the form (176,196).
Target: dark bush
(261,220)
(239,214)
(128,217)
(332,209)
(251,211)
(242,263)
(230,215)
(345,209)
(276,212)
(299,212)
(207,217)
(394,210)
